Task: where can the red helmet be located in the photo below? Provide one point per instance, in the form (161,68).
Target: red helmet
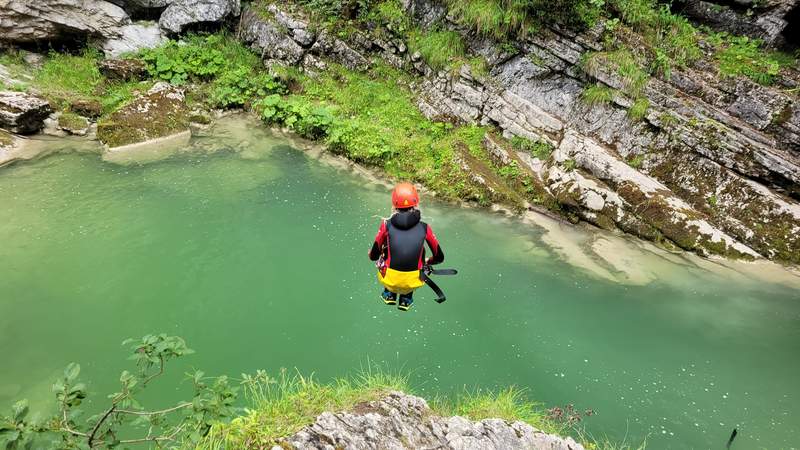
(405,196)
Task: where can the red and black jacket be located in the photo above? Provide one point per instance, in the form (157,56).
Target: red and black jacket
(401,241)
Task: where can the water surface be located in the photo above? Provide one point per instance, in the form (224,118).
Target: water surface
(255,252)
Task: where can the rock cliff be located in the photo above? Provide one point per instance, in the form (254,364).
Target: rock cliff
(400,421)
(717,160)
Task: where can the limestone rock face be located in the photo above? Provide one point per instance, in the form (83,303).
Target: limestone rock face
(284,37)
(44,20)
(132,38)
(182,13)
(758,19)
(404,422)
(22,113)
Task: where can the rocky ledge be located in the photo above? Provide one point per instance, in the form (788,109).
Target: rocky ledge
(400,421)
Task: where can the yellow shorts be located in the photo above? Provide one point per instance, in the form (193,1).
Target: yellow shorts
(400,282)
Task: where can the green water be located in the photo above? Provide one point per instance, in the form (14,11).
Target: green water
(256,254)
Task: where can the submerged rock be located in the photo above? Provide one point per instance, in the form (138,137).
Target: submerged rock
(182,13)
(400,421)
(160,112)
(47,20)
(21,112)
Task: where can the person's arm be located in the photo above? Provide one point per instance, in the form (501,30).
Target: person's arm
(437,254)
(380,240)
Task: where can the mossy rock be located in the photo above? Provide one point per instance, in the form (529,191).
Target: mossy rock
(160,112)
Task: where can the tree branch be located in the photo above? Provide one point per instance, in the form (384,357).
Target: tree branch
(152,413)
(100,422)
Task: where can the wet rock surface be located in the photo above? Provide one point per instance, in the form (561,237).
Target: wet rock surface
(21,112)
(400,421)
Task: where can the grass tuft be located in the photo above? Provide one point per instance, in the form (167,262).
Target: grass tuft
(638,110)
(598,94)
(282,406)
(440,49)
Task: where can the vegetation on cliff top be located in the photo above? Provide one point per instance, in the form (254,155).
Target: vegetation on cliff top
(277,407)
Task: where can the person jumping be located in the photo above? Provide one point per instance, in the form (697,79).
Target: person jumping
(399,248)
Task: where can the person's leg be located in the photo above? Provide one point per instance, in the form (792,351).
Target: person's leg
(405,301)
(388,297)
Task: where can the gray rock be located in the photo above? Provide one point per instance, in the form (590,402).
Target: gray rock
(133,38)
(403,422)
(269,38)
(181,13)
(763,20)
(123,69)
(144,4)
(22,113)
(44,20)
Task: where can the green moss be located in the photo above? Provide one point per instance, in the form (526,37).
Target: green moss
(72,121)
(636,162)
(540,149)
(5,138)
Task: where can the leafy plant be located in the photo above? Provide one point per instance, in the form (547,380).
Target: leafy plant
(307,119)
(240,85)
(212,400)
(570,165)
(541,149)
(740,55)
(179,63)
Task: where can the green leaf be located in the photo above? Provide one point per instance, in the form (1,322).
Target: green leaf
(19,410)
(71,371)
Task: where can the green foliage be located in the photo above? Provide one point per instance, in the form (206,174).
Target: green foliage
(740,55)
(539,148)
(515,18)
(510,170)
(597,94)
(297,113)
(570,165)
(179,63)
(672,38)
(638,110)
(510,404)
(636,162)
(282,406)
(240,85)
(63,77)
(712,201)
(213,400)
(440,49)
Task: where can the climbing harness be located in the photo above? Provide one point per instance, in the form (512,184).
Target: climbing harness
(428,270)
